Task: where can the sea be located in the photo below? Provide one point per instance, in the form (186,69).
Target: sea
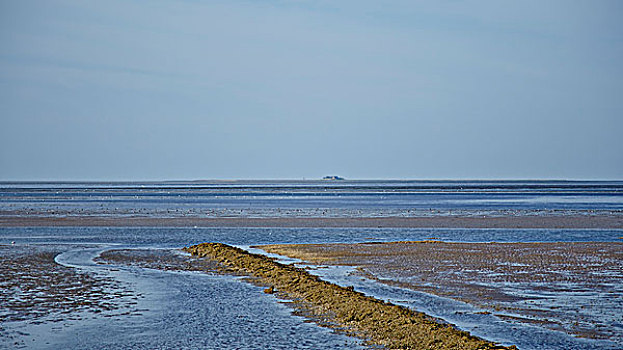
(189,310)
(311,198)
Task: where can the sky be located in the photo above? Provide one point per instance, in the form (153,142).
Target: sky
(232,89)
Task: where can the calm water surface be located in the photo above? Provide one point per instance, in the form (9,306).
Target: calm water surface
(312,198)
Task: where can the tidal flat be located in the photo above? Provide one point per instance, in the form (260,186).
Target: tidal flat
(377,322)
(35,289)
(82,261)
(94,297)
(74,295)
(573,287)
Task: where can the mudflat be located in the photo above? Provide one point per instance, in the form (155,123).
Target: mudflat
(376,321)
(575,287)
(36,289)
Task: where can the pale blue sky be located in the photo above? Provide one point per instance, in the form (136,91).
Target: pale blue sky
(152,90)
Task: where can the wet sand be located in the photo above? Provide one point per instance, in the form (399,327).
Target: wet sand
(516,281)
(573,287)
(68,300)
(36,289)
(86,307)
(379,323)
(527,221)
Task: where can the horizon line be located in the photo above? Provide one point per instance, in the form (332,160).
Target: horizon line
(505,179)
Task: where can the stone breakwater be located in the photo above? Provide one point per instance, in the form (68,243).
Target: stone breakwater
(376,321)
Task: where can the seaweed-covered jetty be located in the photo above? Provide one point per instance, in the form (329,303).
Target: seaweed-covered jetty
(376,321)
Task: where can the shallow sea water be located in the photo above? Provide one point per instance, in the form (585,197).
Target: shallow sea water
(363,198)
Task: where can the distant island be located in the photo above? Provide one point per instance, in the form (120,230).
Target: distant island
(332,177)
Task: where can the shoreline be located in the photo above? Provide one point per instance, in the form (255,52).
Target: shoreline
(519,222)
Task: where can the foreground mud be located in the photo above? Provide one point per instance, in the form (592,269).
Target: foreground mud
(33,285)
(378,322)
(575,287)
(35,289)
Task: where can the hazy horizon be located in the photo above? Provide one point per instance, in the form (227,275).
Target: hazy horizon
(127,91)
(314,179)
